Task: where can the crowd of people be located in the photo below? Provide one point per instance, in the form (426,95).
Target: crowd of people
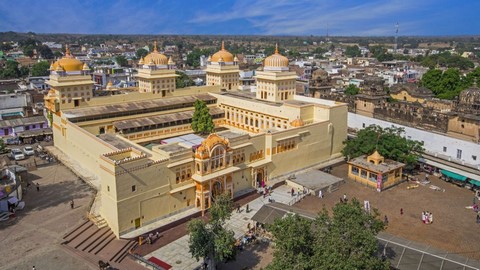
(427,217)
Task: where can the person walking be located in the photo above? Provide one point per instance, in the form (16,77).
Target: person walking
(72,204)
(247,208)
(401,211)
(38,187)
(33,268)
(293,192)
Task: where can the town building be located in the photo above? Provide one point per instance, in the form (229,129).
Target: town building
(146,172)
(375,171)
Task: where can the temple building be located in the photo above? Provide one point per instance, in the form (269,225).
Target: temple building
(375,171)
(145,158)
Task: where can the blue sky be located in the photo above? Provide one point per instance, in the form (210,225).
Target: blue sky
(243,17)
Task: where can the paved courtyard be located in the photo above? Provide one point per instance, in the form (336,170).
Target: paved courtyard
(177,253)
(33,238)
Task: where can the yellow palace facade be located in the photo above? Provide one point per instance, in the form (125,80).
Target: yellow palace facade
(118,138)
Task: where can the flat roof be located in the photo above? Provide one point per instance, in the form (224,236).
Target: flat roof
(316,179)
(172,148)
(230,134)
(115,141)
(160,119)
(23,121)
(134,107)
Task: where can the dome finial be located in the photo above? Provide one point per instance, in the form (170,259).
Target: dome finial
(223,45)
(155,46)
(67,50)
(276,48)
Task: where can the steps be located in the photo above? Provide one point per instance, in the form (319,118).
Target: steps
(99,221)
(93,243)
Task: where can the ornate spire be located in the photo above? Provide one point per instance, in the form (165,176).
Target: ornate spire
(223,45)
(276,48)
(155,46)
(170,61)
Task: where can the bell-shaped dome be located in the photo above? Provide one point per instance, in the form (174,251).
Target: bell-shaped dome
(155,57)
(68,62)
(222,54)
(297,123)
(276,60)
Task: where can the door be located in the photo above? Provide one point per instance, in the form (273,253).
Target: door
(137,223)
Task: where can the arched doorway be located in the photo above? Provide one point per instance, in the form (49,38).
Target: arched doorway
(216,189)
(259,179)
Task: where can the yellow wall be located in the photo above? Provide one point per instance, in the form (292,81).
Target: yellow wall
(405,96)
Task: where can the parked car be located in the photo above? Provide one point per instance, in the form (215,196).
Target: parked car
(17,154)
(28,150)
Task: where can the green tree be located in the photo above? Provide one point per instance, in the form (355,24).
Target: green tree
(40,69)
(347,239)
(5,46)
(210,239)
(202,120)
(45,52)
(10,70)
(353,51)
(183,80)
(121,60)
(352,90)
(28,51)
(57,54)
(390,143)
(141,53)
(344,240)
(294,240)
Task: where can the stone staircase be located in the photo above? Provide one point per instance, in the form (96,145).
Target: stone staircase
(95,243)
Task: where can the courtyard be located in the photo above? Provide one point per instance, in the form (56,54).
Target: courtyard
(453,230)
(33,237)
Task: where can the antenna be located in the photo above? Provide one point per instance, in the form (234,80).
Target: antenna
(396,37)
(327,33)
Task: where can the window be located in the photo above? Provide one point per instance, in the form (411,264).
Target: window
(134,188)
(108,188)
(363,125)
(363,174)
(459,153)
(354,170)
(474,157)
(444,149)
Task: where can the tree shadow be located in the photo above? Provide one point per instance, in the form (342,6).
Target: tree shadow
(247,258)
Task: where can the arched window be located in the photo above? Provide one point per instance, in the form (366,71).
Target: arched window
(217,156)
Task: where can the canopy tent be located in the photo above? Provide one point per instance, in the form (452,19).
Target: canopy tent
(453,175)
(474,182)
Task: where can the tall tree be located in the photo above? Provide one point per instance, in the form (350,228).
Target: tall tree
(40,69)
(183,80)
(293,243)
(390,143)
(141,53)
(352,90)
(121,60)
(10,70)
(353,51)
(344,240)
(202,120)
(45,52)
(210,240)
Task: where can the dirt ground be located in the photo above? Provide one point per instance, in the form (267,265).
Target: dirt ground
(33,237)
(454,227)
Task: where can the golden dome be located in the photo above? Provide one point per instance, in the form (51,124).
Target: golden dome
(51,67)
(297,123)
(208,144)
(155,57)
(224,54)
(68,62)
(59,68)
(201,152)
(276,59)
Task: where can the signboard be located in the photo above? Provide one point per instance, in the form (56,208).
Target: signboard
(379,182)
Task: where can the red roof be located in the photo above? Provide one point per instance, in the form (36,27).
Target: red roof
(160,263)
